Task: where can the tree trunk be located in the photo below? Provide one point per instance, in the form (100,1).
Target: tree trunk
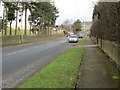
(44,28)
(51,29)
(30,25)
(35,31)
(48,30)
(16,21)
(6,21)
(39,29)
(30,28)
(11,28)
(3,27)
(25,32)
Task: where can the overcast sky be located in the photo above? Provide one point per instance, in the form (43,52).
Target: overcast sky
(74,9)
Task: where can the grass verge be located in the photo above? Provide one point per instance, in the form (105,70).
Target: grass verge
(61,73)
(16,39)
(84,40)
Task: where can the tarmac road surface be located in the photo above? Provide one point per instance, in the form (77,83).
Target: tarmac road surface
(21,62)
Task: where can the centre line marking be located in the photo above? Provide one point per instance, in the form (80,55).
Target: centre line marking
(16,52)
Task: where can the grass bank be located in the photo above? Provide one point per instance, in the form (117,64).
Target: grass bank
(17,39)
(19,32)
(61,73)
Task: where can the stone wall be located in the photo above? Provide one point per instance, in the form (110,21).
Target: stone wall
(111,48)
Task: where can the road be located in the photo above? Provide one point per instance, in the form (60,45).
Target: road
(21,62)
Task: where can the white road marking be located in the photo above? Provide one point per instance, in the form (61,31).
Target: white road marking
(33,47)
(38,46)
(16,52)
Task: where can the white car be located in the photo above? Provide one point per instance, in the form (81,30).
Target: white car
(73,38)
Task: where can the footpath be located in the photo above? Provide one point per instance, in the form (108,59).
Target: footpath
(96,70)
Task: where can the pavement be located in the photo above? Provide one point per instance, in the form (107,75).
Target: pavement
(96,71)
(19,63)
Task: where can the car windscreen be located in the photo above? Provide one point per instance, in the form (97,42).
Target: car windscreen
(73,36)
